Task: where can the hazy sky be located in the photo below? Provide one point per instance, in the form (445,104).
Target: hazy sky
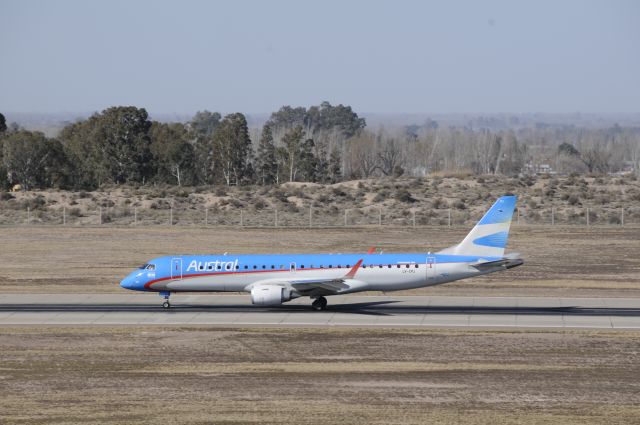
(378,56)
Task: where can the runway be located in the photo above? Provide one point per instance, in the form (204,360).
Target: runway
(363,311)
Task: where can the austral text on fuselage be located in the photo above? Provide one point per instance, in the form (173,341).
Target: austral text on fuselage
(195,265)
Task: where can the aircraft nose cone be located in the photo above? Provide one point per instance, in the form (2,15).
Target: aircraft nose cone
(127,282)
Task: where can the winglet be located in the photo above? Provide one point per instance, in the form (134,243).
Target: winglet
(372,250)
(354,269)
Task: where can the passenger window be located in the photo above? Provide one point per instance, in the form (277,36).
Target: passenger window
(246,267)
(389,266)
(201,267)
(408,266)
(219,267)
(273,267)
(264,267)
(237,267)
(255,267)
(398,266)
(347,266)
(330,266)
(416,266)
(302,266)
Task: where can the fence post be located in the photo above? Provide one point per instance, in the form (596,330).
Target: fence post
(135,216)
(171,214)
(310,216)
(276,219)
(518,216)
(553,220)
(380,217)
(64,216)
(206,217)
(587,216)
(100,216)
(241,219)
(345,218)
(28,215)
(414,218)
(449,210)
(622,216)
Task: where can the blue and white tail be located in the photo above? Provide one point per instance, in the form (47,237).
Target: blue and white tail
(489,237)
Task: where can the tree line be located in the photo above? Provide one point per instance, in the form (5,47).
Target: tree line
(121,145)
(324,144)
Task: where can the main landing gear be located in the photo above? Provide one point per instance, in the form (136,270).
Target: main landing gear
(166,304)
(319,304)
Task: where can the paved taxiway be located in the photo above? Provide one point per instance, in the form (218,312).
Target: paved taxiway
(381,311)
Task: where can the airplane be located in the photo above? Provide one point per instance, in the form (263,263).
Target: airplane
(274,279)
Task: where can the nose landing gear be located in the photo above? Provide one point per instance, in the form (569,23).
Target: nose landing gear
(319,304)
(166,304)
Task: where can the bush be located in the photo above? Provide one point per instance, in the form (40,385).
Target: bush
(403,195)
(573,199)
(438,203)
(75,212)
(459,204)
(6,196)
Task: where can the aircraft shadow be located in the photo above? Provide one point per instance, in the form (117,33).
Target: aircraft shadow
(378,308)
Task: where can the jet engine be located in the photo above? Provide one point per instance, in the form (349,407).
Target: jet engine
(269,295)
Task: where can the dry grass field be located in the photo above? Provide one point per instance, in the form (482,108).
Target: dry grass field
(559,261)
(124,375)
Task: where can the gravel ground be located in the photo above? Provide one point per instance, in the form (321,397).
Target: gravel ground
(206,375)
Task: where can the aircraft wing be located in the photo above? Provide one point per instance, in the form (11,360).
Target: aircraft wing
(318,287)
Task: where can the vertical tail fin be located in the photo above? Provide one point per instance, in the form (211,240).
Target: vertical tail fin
(489,237)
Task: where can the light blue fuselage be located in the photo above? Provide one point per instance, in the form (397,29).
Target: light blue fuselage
(378,272)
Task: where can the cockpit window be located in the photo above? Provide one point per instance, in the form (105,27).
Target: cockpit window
(148,267)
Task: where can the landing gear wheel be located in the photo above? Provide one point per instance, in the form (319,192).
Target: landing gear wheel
(319,304)
(166,305)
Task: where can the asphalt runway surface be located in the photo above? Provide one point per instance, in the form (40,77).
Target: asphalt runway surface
(346,310)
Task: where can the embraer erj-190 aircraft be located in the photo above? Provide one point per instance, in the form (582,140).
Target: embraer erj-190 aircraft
(276,278)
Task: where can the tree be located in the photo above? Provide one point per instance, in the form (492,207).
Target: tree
(110,146)
(335,166)
(205,123)
(291,141)
(25,155)
(363,159)
(266,163)
(308,163)
(123,140)
(233,148)
(172,152)
(568,149)
(3,124)
(389,157)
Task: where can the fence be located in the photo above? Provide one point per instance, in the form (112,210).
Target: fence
(312,217)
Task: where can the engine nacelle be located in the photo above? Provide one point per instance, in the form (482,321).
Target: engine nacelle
(269,295)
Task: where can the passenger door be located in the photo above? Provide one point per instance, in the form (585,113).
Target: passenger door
(176,268)
(431,267)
